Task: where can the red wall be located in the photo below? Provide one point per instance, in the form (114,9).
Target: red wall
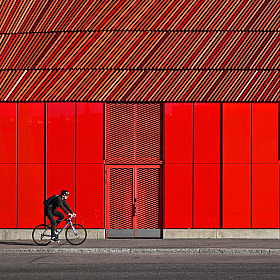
(221,165)
(31,124)
(61,133)
(73,157)
(206,187)
(237,165)
(237,195)
(178,136)
(192,157)
(265,167)
(90,164)
(8,133)
(8,166)
(61,150)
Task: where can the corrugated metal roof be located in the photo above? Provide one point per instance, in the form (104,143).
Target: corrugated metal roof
(179,50)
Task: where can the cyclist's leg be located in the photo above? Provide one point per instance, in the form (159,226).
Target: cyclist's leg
(50,215)
(59,215)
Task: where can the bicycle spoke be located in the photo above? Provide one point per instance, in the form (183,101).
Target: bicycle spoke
(76,234)
(41,235)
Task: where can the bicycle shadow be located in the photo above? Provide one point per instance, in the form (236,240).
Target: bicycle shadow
(30,243)
(24,243)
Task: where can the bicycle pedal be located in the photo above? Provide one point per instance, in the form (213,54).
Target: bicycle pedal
(54,239)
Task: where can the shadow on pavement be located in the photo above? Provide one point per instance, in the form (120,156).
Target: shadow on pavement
(24,243)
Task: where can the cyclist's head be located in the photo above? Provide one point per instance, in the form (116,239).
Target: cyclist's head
(64,193)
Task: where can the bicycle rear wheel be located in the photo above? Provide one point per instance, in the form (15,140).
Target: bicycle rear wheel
(41,235)
(76,235)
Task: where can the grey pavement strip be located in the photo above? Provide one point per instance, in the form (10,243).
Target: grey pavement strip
(231,251)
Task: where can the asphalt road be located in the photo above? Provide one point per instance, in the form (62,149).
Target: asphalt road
(111,266)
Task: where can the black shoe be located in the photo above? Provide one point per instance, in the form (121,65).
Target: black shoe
(55,239)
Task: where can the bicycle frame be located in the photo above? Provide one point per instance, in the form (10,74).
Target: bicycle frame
(69,221)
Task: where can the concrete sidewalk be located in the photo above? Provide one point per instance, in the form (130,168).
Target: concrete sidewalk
(150,246)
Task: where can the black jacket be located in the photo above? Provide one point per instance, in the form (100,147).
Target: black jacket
(58,202)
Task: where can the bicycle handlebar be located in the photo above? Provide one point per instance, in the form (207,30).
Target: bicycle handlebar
(73,215)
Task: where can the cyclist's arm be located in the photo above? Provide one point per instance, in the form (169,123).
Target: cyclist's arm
(61,205)
(67,207)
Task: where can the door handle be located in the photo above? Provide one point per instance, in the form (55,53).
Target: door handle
(135,207)
(135,210)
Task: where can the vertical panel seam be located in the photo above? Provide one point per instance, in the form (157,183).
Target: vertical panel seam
(221,166)
(45,154)
(104,132)
(278,132)
(192,165)
(278,164)
(162,170)
(105,170)
(252,164)
(75,119)
(17,165)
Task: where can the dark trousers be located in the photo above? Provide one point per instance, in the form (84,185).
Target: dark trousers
(50,214)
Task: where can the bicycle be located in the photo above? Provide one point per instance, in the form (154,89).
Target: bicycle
(75,234)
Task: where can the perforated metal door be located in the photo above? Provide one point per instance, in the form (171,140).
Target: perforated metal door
(147,194)
(133,133)
(133,195)
(120,198)
(133,156)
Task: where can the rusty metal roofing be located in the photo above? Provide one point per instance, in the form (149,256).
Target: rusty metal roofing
(168,50)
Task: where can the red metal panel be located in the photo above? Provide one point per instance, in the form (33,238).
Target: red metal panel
(120,198)
(31,132)
(237,196)
(89,145)
(207,133)
(30,195)
(61,133)
(133,133)
(265,196)
(178,196)
(8,196)
(236,133)
(178,130)
(148,198)
(148,133)
(265,133)
(62,177)
(90,195)
(206,211)
(8,132)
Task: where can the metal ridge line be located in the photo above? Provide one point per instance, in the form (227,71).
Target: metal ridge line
(143,69)
(143,30)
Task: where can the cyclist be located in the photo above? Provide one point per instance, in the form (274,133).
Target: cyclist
(50,211)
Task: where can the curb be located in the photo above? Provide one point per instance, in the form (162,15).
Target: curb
(221,251)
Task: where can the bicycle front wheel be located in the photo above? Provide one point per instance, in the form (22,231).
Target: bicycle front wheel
(41,235)
(76,234)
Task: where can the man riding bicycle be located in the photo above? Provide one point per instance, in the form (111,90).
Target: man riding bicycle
(51,204)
